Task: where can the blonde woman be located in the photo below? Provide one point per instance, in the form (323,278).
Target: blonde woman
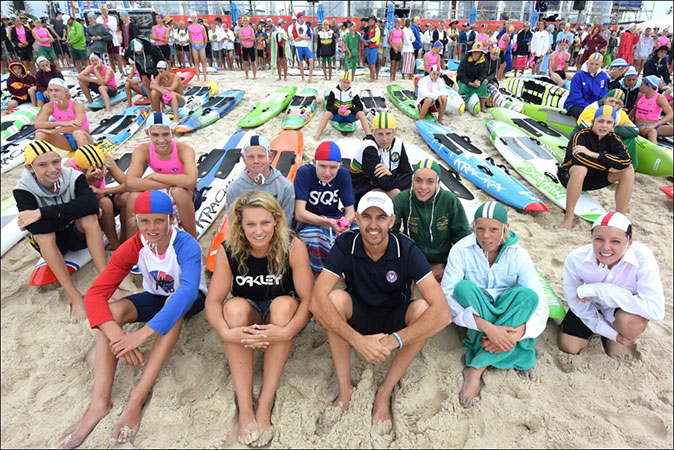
(198,38)
(267,271)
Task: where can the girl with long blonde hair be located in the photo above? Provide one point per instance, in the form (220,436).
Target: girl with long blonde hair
(267,270)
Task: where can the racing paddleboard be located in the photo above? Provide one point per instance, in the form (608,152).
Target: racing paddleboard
(546,79)
(537,92)
(653,159)
(194,98)
(669,190)
(373,103)
(119,128)
(537,167)
(554,117)
(478,167)
(344,127)
(405,101)
(268,107)
(300,110)
(210,112)
(12,123)
(286,154)
(11,234)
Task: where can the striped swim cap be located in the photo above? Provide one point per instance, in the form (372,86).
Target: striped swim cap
(492,210)
(427,163)
(346,76)
(653,81)
(89,155)
(58,82)
(153,202)
(615,93)
(158,119)
(434,67)
(383,120)
(328,151)
(596,57)
(614,219)
(607,111)
(631,72)
(255,140)
(618,62)
(37,148)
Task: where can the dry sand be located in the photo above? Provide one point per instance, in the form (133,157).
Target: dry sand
(589,400)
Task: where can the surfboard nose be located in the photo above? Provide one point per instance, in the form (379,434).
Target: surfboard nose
(536,207)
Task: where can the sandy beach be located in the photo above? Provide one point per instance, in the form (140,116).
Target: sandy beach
(584,401)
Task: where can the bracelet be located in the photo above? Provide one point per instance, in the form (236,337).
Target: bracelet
(400,341)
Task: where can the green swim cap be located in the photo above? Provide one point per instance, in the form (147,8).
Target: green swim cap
(492,210)
(427,163)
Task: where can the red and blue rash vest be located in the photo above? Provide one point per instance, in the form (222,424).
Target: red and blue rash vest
(178,275)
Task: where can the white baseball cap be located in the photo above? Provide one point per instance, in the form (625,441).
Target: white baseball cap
(378,199)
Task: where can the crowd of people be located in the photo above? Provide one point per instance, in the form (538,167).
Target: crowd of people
(382,225)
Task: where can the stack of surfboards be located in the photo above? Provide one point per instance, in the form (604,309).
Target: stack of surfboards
(537,92)
(119,128)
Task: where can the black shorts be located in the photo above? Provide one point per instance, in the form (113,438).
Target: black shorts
(182,48)
(24,53)
(595,179)
(538,59)
(57,45)
(166,51)
(395,56)
(260,53)
(148,305)
(368,321)
(248,53)
(209,50)
(573,326)
(93,86)
(69,238)
(501,57)
(561,74)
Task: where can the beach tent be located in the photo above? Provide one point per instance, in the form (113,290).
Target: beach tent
(660,22)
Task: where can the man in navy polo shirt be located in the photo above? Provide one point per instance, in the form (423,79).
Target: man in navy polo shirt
(375,313)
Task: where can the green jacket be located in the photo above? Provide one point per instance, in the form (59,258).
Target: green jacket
(435,226)
(353,43)
(76,36)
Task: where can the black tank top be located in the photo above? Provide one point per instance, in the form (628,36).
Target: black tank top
(258,284)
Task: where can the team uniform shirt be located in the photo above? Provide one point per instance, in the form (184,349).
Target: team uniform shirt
(632,285)
(587,116)
(612,152)
(178,274)
(349,98)
(513,267)
(384,284)
(323,198)
(302,30)
(430,89)
(367,158)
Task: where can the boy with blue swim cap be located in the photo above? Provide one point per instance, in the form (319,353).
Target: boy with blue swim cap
(595,158)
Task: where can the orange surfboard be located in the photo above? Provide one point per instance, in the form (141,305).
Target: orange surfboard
(286,156)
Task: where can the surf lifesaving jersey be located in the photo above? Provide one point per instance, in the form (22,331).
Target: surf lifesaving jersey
(648,108)
(257,283)
(612,152)
(368,156)
(348,98)
(178,275)
(301,30)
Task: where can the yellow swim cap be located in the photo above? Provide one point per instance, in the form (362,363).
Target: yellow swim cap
(89,155)
(37,148)
(383,120)
(345,76)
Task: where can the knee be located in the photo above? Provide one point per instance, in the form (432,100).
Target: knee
(39,135)
(629,325)
(105,204)
(416,309)
(181,195)
(342,302)
(464,290)
(45,239)
(568,345)
(88,222)
(80,134)
(236,311)
(282,310)
(121,311)
(577,171)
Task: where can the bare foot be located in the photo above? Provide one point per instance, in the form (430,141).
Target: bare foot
(265,437)
(528,374)
(264,427)
(615,349)
(472,383)
(84,428)
(382,417)
(248,429)
(78,312)
(343,399)
(567,223)
(126,428)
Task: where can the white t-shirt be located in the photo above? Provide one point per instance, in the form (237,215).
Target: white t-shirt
(408,39)
(303,30)
(111,26)
(182,38)
(215,36)
(228,44)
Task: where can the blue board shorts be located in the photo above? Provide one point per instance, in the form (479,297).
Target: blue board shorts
(198,47)
(148,305)
(71,141)
(40,97)
(371,54)
(304,53)
(348,119)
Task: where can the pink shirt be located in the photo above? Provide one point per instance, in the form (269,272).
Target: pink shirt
(68,115)
(396,36)
(648,108)
(196,33)
(43,34)
(21,34)
(172,167)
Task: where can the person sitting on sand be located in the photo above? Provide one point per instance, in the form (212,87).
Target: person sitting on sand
(630,85)
(433,217)
(21,85)
(174,286)
(613,288)
(624,128)
(266,315)
(167,88)
(99,78)
(70,127)
(46,71)
(260,175)
(472,75)
(375,314)
(596,158)
(559,62)
(145,61)
(343,105)
(432,94)
(493,291)
(587,86)
(60,211)
(174,172)
(652,112)
(381,163)
(319,189)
